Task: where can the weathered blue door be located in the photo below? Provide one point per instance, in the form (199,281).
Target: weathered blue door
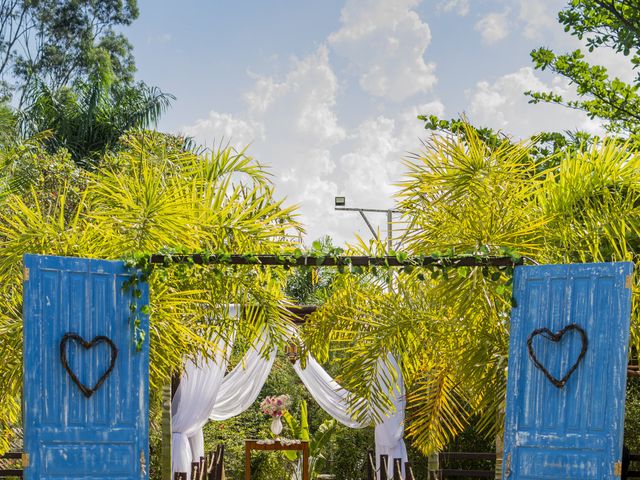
(77,323)
(563,425)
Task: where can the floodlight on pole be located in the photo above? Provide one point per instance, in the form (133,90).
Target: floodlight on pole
(340,203)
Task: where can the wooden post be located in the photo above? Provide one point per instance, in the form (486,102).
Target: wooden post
(247,462)
(408,471)
(434,467)
(305,461)
(371,465)
(384,467)
(219,475)
(195,470)
(499,454)
(397,469)
(204,464)
(165,451)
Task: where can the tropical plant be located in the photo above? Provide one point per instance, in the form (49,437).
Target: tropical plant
(149,198)
(448,327)
(317,442)
(89,118)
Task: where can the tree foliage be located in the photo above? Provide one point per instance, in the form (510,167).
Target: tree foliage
(151,196)
(58,42)
(449,327)
(610,24)
(89,118)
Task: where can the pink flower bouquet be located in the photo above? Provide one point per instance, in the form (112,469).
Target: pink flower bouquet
(275,406)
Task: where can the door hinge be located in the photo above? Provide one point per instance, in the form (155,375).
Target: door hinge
(629,282)
(617,469)
(25,460)
(25,274)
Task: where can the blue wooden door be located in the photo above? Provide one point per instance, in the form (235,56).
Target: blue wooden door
(71,432)
(571,429)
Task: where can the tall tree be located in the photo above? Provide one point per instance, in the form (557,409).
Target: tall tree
(60,41)
(89,118)
(611,24)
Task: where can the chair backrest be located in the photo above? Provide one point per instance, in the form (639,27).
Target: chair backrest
(220,463)
(12,467)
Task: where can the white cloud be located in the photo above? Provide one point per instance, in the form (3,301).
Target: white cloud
(385,42)
(493,27)
(294,128)
(502,105)
(222,128)
(461,7)
(538,17)
(159,39)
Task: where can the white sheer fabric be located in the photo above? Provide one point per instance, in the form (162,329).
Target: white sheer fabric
(206,393)
(335,400)
(191,406)
(331,397)
(390,433)
(241,387)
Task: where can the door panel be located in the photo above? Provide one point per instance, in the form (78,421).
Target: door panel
(573,432)
(68,435)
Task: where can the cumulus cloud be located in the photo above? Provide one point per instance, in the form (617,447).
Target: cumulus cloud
(461,7)
(224,127)
(538,17)
(493,27)
(502,105)
(385,42)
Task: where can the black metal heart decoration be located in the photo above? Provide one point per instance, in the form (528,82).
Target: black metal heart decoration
(87,391)
(556,337)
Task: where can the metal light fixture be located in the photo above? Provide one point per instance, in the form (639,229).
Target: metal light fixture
(340,201)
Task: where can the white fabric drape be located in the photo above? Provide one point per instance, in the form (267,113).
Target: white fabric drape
(335,400)
(205,392)
(241,387)
(191,406)
(390,433)
(193,401)
(331,397)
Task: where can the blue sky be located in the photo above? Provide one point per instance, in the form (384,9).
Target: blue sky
(326,92)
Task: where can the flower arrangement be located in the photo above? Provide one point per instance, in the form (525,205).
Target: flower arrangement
(275,406)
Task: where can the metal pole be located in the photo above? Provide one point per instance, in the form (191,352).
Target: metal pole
(375,235)
(389,231)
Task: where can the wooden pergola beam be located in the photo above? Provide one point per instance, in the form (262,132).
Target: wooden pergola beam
(335,261)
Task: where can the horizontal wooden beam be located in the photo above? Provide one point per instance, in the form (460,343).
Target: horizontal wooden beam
(334,261)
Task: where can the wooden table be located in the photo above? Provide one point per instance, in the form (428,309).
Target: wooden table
(249,445)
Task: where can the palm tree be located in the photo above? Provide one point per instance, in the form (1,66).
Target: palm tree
(449,328)
(153,196)
(88,118)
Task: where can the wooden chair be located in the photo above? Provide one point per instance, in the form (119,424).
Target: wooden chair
(14,469)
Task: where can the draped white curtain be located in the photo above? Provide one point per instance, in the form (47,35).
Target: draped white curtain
(390,433)
(337,402)
(331,397)
(206,393)
(192,405)
(243,384)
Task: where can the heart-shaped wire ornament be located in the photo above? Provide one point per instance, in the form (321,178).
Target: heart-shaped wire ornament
(556,337)
(87,391)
